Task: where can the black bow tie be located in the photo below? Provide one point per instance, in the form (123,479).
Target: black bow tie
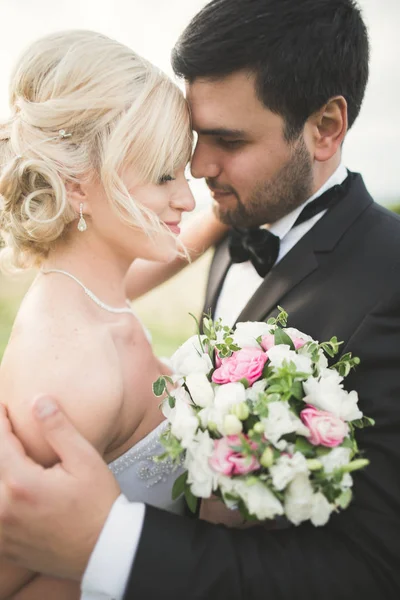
(261,247)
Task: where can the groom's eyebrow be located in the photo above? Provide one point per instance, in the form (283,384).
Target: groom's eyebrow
(222,132)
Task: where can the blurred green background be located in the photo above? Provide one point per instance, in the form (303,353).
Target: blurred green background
(165,310)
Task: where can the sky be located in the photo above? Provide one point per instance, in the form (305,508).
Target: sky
(151,27)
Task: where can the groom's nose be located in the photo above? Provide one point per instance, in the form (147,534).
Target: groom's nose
(204,163)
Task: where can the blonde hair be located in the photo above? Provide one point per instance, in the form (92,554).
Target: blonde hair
(120,111)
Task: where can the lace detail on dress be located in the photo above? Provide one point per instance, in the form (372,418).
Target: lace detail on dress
(141,457)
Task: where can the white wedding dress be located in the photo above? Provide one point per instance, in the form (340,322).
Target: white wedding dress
(142,479)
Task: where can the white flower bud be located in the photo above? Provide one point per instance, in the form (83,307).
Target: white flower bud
(314,464)
(267,458)
(258,427)
(232,425)
(241,411)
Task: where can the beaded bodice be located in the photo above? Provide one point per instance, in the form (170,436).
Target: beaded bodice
(144,480)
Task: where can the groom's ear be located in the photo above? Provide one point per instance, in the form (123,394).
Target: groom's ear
(328,127)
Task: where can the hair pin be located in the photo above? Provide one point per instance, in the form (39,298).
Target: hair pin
(62,134)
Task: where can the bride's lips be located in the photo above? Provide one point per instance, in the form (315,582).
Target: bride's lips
(174,227)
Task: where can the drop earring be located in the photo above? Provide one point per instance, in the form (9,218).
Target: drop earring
(82,226)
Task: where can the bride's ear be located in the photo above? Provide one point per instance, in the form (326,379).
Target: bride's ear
(77,194)
(328,127)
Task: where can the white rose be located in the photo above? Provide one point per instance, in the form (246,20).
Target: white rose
(181,397)
(320,509)
(282,352)
(259,500)
(200,389)
(295,333)
(321,361)
(333,375)
(183,419)
(280,421)
(327,393)
(299,499)
(226,396)
(286,468)
(246,333)
(347,482)
(255,390)
(202,479)
(227,486)
(190,358)
(336,458)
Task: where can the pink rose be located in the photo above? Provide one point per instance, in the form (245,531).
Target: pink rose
(267,341)
(247,363)
(218,361)
(325,428)
(227,461)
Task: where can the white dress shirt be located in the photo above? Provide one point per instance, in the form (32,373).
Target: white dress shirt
(108,569)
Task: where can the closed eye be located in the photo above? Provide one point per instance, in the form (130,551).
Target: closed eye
(230,144)
(165,179)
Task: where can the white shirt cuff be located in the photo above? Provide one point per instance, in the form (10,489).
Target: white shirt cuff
(110,563)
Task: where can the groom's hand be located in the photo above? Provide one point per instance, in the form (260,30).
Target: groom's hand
(50,519)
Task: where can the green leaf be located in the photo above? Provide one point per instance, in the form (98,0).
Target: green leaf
(179,485)
(322,451)
(355,465)
(171,401)
(159,386)
(344,499)
(267,371)
(272,397)
(364,422)
(250,422)
(244,382)
(347,443)
(282,338)
(191,499)
(302,445)
(297,390)
(282,316)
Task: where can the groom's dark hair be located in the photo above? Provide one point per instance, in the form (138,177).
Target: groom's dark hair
(302,52)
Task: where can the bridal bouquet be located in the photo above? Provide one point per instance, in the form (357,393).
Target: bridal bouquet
(260,420)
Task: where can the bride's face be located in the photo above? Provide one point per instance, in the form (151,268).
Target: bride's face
(167,200)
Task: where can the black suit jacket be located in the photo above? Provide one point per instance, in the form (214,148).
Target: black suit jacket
(342,278)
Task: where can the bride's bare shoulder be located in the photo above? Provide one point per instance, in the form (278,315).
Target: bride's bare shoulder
(69,357)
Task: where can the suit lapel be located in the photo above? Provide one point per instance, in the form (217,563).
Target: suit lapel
(290,271)
(306,255)
(219,267)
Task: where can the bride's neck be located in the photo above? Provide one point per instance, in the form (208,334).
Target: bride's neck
(98,266)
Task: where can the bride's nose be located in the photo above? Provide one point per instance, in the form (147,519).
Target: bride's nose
(183,199)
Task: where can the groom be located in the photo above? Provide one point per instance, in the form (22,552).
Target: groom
(273,86)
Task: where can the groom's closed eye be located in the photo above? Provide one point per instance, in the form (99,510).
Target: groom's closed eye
(229,143)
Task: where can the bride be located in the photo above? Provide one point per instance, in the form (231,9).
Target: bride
(92,177)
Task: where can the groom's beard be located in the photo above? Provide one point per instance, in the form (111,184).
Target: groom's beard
(270,200)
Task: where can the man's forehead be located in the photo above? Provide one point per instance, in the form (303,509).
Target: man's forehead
(222,107)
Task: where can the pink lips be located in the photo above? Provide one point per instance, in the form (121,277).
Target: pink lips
(174,227)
